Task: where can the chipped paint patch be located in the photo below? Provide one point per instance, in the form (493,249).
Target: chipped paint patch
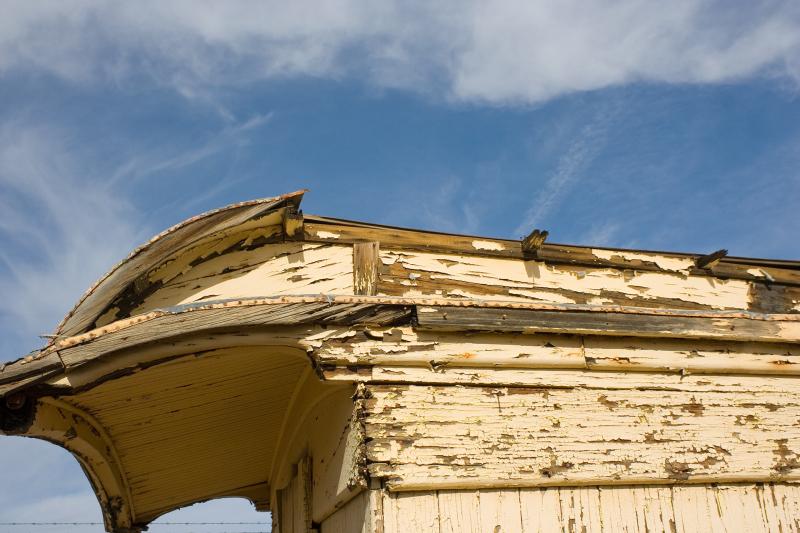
(326,235)
(487,245)
(672,264)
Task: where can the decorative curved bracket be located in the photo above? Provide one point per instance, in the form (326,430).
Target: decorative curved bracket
(78,432)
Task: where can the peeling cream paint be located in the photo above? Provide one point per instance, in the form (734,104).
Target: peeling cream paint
(487,245)
(527,395)
(646,436)
(516,280)
(594,509)
(673,264)
(327,235)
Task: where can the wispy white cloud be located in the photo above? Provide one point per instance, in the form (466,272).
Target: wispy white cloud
(572,164)
(67,217)
(448,207)
(495,52)
(147,165)
(60,228)
(601,234)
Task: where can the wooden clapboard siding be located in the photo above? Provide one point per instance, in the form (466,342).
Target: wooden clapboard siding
(567,379)
(441,349)
(763,340)
(407,273)
(477,436)
(251,225)
(724,508)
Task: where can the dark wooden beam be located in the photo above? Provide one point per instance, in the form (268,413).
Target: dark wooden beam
(450,318)
(365,268)
(532,243)
(710,260)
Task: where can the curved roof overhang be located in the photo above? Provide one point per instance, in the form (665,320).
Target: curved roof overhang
(268,299)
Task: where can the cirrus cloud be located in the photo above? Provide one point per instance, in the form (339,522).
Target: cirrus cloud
(497,52)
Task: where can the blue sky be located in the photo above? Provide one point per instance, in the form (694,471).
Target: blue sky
(671,126)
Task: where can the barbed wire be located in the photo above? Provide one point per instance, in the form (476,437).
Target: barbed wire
(151,524)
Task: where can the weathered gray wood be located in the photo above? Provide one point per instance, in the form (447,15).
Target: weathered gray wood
(774,298)
(183,321)
(445,318)
(29,366)
(709,260)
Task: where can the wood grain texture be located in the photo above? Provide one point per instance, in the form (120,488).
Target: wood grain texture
(208,226)
(408,346)
(409,273)
(353,517)
(167,423)
(365,268)
(506,436)
(725,508)
(321,229)
(448,318)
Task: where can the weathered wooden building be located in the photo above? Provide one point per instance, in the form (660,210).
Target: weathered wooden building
(353,377)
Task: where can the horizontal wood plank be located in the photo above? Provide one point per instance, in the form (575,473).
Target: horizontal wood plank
(467,437)
(445,318)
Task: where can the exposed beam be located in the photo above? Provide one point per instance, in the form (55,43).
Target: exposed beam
(710,260)
(534,241)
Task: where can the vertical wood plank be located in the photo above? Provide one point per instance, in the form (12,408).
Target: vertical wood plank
(656,508)
(696,509)
(587,517)
(416,511)
(739,508)
(352,518)
(390,524)
(460,511)
(365,268)
(611,514)
(374,522)
(302,502)
(500,511)
(541,510)
(723,508)
(286,510)
(786,501)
